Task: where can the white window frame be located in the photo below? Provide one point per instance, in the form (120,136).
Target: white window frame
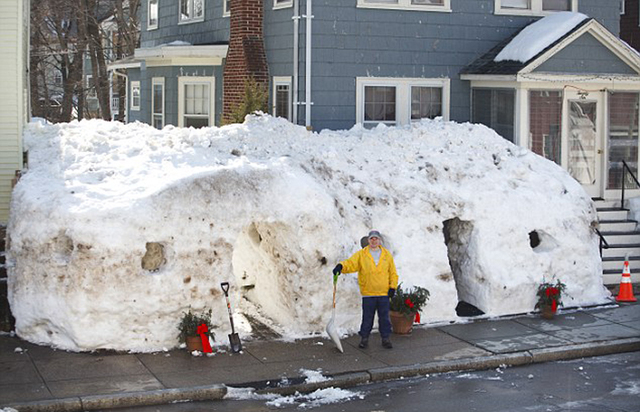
(91,90)
(149,25)
(403,95)
(183,81)
(226,8)
(281,81)
(282,4)
(406,5)
(154,82)
(190,5)
(135,85)
(535,10)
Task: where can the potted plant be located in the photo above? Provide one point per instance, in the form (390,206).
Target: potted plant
(192,327)
(405,308)
(549,298)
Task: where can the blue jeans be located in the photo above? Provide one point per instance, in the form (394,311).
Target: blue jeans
(371,304)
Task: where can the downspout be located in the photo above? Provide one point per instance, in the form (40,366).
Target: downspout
(307,77)
(296,40)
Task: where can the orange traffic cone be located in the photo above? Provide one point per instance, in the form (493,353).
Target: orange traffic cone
(626,288)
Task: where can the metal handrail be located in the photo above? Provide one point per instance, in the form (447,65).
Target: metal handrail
(626,167)
(603,242)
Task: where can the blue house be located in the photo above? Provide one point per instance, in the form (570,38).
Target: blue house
(336,63)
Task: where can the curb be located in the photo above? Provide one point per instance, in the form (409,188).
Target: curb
(123,400)
(217,392)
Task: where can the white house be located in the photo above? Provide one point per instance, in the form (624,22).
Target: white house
(14,105)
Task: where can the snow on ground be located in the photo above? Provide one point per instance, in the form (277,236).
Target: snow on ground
(115,230)
(539,35)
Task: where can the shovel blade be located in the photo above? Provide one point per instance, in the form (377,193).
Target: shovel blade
(333,333)
(234,341)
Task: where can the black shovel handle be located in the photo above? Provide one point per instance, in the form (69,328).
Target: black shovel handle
(225,289)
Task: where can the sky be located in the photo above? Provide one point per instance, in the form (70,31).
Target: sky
(119,229)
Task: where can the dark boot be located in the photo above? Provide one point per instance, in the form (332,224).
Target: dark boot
(386,343)
(364,342)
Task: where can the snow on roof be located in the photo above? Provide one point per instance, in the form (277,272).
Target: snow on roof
(538,36)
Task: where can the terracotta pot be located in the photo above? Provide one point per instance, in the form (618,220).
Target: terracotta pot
(194,343)
(400,324)
(547,312)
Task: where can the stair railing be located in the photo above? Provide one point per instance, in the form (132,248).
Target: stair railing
(625,168)
(603,242)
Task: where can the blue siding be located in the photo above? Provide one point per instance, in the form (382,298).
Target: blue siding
(214,29)
(572,59)
(350,42)
(170,75)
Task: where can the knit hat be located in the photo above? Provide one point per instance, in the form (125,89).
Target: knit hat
(374,233)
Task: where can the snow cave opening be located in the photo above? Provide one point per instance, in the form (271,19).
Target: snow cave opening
(257,260)
(458,237)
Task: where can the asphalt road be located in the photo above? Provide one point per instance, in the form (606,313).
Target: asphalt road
(599,384)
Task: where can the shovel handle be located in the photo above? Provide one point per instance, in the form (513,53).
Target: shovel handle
(225,288)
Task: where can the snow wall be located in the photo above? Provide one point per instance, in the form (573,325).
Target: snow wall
(115,230)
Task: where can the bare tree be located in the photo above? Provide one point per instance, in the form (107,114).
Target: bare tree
(63,33)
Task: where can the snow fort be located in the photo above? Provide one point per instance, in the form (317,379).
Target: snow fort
(116,230)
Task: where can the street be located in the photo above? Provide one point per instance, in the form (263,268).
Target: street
(598,384)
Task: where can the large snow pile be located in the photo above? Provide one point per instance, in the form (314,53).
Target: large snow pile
(115,229)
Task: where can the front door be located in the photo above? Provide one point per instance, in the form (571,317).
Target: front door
(583,131)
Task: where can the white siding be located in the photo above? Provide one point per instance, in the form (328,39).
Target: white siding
(14,107)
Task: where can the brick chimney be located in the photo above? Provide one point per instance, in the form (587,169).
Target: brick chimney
(246,57)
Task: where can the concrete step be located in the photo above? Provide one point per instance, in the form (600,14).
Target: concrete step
(614,278)
(607,203)
(617,225)
(621,250)
(612,214)
(617,263)
(621,238)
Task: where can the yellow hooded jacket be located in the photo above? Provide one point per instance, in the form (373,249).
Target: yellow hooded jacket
(373,280)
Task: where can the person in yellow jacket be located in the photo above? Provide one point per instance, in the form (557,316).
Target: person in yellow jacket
(378,281)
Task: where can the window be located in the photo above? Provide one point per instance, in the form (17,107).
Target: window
(623,137)
(152,11)
(282,97)
(622,11)
(191,11)
(135,95)
(379,105)
(195,104)
(280,4)
(395,101)
(226,12)
(495,108)
(425,5)
(426,102)
(157,102)
(534,7)
(545,120)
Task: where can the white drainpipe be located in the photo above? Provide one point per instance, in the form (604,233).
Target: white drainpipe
(308,103)
(296,39)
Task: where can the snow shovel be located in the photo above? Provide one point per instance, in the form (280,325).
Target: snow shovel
(331,327)
(234,339)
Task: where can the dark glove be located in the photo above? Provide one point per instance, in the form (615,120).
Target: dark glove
(337,270)
(392,293)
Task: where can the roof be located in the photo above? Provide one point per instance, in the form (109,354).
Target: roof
(487,64)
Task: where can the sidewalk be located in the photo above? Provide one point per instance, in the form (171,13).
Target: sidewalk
(42,379)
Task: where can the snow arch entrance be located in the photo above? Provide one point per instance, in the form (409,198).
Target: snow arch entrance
(258,264)
(462,259)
